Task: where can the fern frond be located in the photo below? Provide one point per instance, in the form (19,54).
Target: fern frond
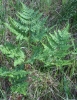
(57,48)
(16,78)
(30,25)
(13,52)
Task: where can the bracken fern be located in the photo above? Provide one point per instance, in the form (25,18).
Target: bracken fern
(30,26)
(29,30)
(57,50)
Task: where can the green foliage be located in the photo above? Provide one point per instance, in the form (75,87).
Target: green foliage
(20,88)
(13,52)
(57,49)
(17,79)
(30,26)
(4,72)
(67,85)
(64,1)
(2,11)
(29,30)
(33,44)
(68,12)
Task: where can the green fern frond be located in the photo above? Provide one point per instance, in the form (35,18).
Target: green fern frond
(29,29)
(12,73)
(13,52)
(30,25)
(16,78)
(57,49)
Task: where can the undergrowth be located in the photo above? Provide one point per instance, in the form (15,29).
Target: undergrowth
(34,55)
